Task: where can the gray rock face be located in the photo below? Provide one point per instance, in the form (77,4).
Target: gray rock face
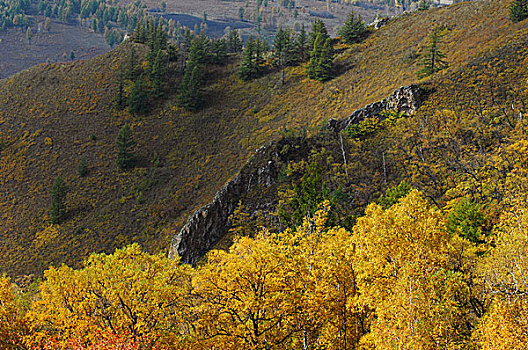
(379,22)
(211,222)
(406,99)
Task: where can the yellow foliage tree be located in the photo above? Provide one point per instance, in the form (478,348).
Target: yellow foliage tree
(321,262)
(241,297)
(291,290)
(505,276)
(128,292)
(401,257)
(13,327)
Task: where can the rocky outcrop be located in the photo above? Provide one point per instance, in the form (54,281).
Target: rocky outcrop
(406,99)
(210,223)
(379,22)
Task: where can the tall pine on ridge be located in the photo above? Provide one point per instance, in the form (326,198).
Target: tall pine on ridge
(353,30)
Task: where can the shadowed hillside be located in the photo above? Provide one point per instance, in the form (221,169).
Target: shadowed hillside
(52,116)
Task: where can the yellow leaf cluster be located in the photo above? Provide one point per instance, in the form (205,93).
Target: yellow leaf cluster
(128,292)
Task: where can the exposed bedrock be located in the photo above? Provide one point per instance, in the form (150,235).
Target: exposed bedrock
(209,224)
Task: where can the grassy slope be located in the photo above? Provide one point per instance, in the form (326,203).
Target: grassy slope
(48,114)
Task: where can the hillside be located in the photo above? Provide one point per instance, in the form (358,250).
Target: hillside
(52,115)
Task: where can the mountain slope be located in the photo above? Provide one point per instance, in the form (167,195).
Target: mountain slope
(53,115)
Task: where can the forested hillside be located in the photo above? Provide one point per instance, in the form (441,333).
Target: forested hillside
(398,231)
(56,116)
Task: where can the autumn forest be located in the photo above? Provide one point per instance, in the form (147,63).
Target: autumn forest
(400,228)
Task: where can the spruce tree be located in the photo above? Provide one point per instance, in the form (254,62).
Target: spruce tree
(58,200)
(219,51)
(424,5)
(190,96)
(283,50)
(234,43)
(320,66)
(200,50)
(301,46)
(248,68)
(433,59)
(519,10)
(187,40)
(120,97)
(158,73)
(353,30)
(140,33)
(131,70)
(125,148)
(82,168)
(318,28)
(138,100)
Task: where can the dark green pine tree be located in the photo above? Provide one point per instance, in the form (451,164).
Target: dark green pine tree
(157,41)
(82,168)
(318,28)
(138,100)
(248,68)
(283,50)
(301,46)
(234,43)
(519,10)
(158,73)
(131,70)
(433,59)
(120,97)
(261,46)
(200,51)
(58,200)
(353,30)
(187,40)
(140,33)
(125,148)
(191,96)
(219,51)
(320,66)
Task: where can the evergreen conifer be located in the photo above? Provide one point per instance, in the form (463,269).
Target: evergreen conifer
(519,10)
(320,66)
(301,46)
(125,148)
(248,68)
(234,43)
(353,30)
(433,60)
(138,100)
(191,86)
(58,200)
